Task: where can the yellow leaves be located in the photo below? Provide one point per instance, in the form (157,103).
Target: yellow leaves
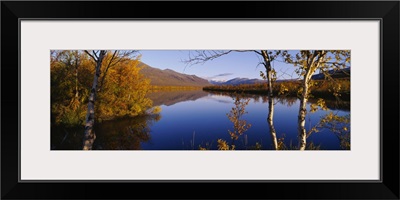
(263,76)
(124,91)
(273,75)
(304,64)
(121,87)
(313,108)
(281,143)
(314,129)
(300,91)
(282,89)
(240,126)
(233,135)
(235,116)
(156,110)
(339,126)
(337,57)
(321,104)
(202,148)
(223,145)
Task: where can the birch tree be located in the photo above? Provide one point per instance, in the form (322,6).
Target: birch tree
(271,76)
(308,62)
(89,135)
(200,57)
(98,57)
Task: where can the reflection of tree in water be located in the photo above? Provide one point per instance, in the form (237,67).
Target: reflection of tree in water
(339,126)
(66,138)
(287,101)
(121,134)
(334,104)
(124,134)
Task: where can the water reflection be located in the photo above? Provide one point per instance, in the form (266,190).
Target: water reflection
(121,134)
(196,118)
(288,100)
(66,138)
(170,98)
(124,134)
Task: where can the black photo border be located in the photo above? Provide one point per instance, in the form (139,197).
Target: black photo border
(385,11)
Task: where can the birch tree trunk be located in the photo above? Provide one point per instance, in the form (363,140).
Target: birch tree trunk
(271,117)
(301,122)
(89,135)
(312,64)
(270,99)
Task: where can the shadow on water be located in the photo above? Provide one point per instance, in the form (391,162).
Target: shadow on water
(121,134)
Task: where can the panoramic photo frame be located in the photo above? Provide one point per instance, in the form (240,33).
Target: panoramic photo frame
(114,94)
(93,155)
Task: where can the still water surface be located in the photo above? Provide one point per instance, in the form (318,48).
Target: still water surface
(190,119)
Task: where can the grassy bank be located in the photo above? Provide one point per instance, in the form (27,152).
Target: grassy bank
(320,89)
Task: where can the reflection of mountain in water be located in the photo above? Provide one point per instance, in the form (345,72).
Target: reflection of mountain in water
(169,98)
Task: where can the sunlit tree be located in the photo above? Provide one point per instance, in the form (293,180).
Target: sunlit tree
(308,62)
(267,57)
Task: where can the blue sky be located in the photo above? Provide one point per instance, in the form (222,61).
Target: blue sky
(235,64)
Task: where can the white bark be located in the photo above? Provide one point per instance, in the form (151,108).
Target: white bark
(313,63)
(270,99)
(301,122)
(89,135)
(271,122)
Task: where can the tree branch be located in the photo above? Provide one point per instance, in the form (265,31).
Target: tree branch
(90,55)
(95,54)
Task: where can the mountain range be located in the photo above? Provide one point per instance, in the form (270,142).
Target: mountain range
(168,77)
(342,73)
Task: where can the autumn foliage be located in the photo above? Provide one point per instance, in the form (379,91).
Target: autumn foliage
(121,91)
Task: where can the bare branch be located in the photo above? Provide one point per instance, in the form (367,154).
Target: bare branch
(200,57)
(95,54)
(257,52)
(87,52)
